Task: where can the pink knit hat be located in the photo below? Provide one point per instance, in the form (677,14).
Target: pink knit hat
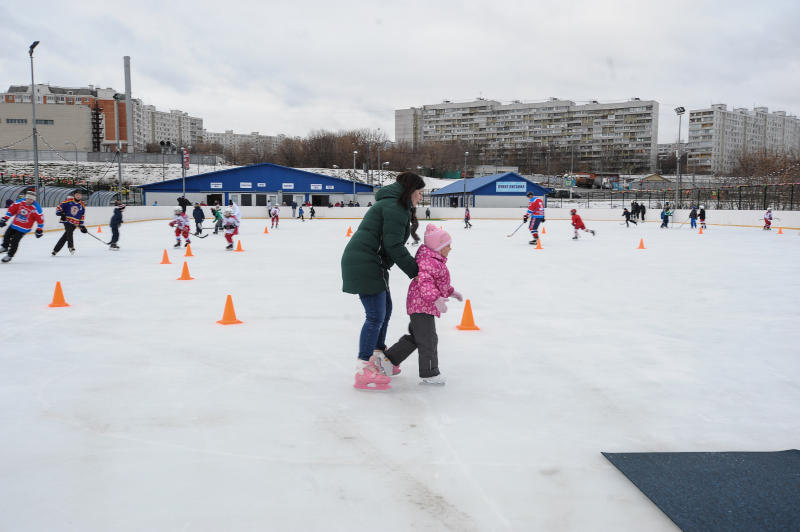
(436,238)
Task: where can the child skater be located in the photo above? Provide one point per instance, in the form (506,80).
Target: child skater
(181,225)
(467,217)
(300,213)
(427,297)
(274,214)
(768,220)
(701,215)
(231,225)
(627,214)
(577,223)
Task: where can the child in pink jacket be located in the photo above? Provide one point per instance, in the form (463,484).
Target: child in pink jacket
(427,296)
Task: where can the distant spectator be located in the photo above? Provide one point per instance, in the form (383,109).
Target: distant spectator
(294,209)
(155,204)
(428,213)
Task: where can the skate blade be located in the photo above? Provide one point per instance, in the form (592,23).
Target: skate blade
(372,387)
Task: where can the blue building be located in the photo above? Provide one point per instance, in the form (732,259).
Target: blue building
(256,185)
(499,190)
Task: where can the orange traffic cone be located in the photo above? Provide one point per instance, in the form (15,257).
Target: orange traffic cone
(701,231)
(99,229)
(185,273)
(239,246)
(641,244)
(467,322)
(188,251)
(165,258)
(229,315)
(538,244)
(266,230)
(349,231)
(780,230)
(544,230)
(58,297)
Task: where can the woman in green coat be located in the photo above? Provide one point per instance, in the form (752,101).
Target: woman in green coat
(378,244)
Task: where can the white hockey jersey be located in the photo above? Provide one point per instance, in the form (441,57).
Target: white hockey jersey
(180,221)
(275,211)
(228,221)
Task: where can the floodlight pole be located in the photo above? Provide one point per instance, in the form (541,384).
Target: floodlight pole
(355,152)
(679,111)
(39,197)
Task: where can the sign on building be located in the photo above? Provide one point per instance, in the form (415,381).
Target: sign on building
(287,186)
(329,187)
(216,185)
(510,186)
(245,184)
(262,185)
(316,187)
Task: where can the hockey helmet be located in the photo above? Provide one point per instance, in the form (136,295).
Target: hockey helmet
(573,211)
(178,210)
(227,211)
(702,206)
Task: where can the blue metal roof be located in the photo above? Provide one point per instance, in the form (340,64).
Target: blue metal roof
(264,177)
(483,185)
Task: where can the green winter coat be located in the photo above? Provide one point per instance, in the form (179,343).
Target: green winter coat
(378,244)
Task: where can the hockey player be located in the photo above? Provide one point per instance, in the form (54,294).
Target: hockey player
(701,214)
(116,221)
(467,218)
(199,216)
(768,220)
(217,213)
(693,218)
(666,212)
(182,227)
(301,212)
(235,209)
(627,214)
(72,212)
(577,223)
(25,213)
(230,224)
(7,236)
(274,215)
(311,213)
(536,213)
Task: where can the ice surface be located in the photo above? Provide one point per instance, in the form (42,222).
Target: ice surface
(133,410)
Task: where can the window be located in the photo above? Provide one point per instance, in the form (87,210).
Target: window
(45,122)
(16,120)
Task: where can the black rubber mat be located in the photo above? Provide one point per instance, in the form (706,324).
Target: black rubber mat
(719,491)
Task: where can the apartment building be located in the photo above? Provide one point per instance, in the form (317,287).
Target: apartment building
(625,132)
(153,126)
(719,138)
(66,109)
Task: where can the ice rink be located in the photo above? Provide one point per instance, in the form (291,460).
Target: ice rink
(133,410)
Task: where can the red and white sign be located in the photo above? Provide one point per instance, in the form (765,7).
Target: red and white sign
(185,158)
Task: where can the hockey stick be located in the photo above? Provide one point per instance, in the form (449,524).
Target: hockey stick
(515,230)
(98,239)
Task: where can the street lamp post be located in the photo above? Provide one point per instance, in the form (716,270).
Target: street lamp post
(679,111)
(76,159)
(383,177)
(35,134)
(466,154)
(355,152)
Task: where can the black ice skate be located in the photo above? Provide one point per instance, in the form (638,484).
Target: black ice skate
(592,231)
(575,237)
(6,258)
(187,243)
(114,247)
(177,244)
(71,251)
(229,247)
(533,242)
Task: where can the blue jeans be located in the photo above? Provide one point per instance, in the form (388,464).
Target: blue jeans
(378,309)
(694,222)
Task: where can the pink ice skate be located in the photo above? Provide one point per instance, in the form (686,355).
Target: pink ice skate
(369,377)
(382,362)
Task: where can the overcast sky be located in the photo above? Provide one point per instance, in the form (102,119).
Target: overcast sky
(296,66)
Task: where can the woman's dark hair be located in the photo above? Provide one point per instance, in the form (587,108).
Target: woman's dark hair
(414,225)
(410,182)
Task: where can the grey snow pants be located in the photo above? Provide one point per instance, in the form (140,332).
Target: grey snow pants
(422,336)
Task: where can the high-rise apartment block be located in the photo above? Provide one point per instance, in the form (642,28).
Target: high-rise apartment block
(625,133)
(719,138)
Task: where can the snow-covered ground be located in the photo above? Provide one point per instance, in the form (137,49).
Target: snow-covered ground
(142,174)
(133,410)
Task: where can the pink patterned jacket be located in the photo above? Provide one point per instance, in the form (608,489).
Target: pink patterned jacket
(432,282)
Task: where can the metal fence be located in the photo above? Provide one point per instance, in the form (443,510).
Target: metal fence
(783,197)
